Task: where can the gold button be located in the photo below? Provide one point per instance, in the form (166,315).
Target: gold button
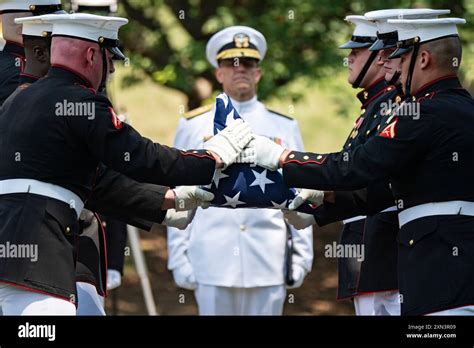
(413,98)
(292,155)
(427,95)
(378,127)
(398,99)
(389,88)
(195,151)
(242,228)
(366,95)
(104,224)
(375,116)
(306,157)
(32,7)
(411,242)
(319,157)
(349,144)
(367,133)
(362,111)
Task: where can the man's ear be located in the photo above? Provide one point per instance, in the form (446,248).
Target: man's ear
(40,54)
(258,75)
(425,59)
(219,75)
(379,59)
(91,55)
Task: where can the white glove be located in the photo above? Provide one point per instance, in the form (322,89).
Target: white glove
(263,152)
(312,196)
(178,219)
(114,279)
(191,197)
(230,141)
(184,276)
(299,220)
(298,273)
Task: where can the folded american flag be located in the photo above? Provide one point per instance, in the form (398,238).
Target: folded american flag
(243,185)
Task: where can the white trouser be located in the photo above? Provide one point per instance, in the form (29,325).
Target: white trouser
(378,303)
(16,301)
(218,300)
(466,310)
(89,301)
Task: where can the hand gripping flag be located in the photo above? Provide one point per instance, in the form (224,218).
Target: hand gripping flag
(244,185)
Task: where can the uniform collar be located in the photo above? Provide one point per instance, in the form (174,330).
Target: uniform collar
(245,106)
(14,48)
(371,92)
(68,74)
(27,78)
(442,83)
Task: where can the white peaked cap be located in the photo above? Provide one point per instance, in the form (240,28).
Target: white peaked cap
(35,26)
(24,5)
(426,29)
(381,17)
(85,26)
(236,42)
(364,34)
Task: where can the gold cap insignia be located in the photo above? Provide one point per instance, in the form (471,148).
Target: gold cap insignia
(241,41)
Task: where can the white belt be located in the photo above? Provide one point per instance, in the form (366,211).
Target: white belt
(353,219)
(11,186)
(360,217)
(392,208)
(439,208)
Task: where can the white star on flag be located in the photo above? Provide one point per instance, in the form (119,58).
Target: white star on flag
(261,179)
(280,206)
(234,201)
(218,176)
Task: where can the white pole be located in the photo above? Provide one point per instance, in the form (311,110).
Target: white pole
(140,265)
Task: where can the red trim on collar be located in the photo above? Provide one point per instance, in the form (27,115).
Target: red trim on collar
(29,75)
(8,42)
(74,72)
(377,95)
(374,83)
(434,81)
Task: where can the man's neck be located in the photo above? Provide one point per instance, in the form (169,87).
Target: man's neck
(34,71)
(427,78)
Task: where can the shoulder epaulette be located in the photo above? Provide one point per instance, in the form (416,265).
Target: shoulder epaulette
(280,114)
(198,111)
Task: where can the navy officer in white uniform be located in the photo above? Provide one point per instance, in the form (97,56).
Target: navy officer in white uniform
(235,259)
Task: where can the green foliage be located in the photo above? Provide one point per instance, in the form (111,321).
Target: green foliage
(166,38)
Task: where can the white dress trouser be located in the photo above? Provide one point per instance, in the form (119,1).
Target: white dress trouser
(90,302)
(218,300)
(378,303)
(16,301)
(466,310)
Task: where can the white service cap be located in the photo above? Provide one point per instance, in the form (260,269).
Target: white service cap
(35,26)
(416,31)
(236,42)
(28,5)
(364,34)
(387,35)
